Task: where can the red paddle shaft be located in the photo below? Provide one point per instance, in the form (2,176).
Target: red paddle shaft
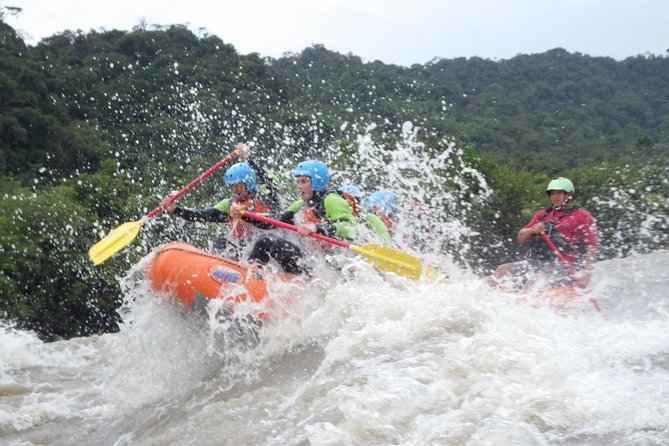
(567,265)
(190,185)
(559,255)
(294,228)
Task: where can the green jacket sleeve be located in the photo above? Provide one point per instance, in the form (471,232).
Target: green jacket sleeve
(223,206)
(338,211)
(379,227)
(295,206)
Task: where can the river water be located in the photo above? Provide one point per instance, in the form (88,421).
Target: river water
(363,361)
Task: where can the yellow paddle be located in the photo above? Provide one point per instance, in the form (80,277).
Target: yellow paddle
(121,236)
(382,257)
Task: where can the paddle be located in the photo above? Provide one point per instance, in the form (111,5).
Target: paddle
(121,236)
(382,257)
(567,265)
(559,255)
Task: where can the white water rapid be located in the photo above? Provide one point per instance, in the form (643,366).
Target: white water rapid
(363,362)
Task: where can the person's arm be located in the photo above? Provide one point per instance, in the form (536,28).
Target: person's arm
(379,227)
(205,215)
(591,239)
(525,234)
(340,220)
(534,227)
(583,279)
(209,214)
(271,194)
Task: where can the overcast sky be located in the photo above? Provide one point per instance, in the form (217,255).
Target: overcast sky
(393,31)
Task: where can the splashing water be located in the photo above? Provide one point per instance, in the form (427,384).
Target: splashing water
(364,361)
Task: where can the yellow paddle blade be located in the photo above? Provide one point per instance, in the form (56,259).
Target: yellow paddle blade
(115,241)
(433,275)
(391,260)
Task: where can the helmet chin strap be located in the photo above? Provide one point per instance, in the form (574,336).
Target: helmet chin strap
(242,196)
(565,202)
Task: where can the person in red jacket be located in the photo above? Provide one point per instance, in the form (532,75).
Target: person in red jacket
(571,229)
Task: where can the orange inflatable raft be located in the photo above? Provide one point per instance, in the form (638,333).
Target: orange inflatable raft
(194,277)
(565,300)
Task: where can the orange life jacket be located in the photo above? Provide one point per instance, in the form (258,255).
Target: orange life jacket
(308,214)
(384,217)
(239,227)
(421,213)
(352,201)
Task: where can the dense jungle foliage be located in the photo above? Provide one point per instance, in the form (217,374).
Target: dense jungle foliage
(95,128)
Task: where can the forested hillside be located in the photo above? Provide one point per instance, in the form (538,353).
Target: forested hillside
(570,108)
(95,128)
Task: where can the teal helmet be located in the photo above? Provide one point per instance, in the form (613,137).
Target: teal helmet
(351,190)
(561,183)
(382,199)
(316,170)
(241,173)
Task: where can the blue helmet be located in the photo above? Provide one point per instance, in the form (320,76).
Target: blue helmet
(241,173)
(316,170)
(382,199)
(351,190)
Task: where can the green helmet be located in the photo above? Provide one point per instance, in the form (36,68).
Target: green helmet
(561,183)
